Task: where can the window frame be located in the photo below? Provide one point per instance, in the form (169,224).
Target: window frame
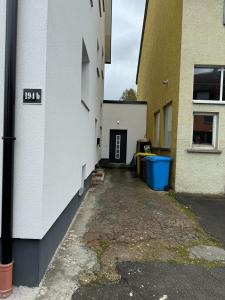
(214,145)
(222,78)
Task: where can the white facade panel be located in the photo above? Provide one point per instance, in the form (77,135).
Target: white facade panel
(70,133)
(57,139)
(130,117)
(29,122)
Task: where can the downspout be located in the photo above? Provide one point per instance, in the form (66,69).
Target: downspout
(6,266)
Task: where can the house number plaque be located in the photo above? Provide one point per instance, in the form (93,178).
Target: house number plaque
(32,96)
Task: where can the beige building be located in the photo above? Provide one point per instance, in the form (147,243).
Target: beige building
(181,75)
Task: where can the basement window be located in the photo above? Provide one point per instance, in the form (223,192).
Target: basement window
(209,85)
(205,130)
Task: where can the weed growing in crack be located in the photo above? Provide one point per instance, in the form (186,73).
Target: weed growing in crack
(103,246)
(183,208)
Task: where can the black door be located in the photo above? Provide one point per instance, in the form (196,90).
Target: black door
(118,146)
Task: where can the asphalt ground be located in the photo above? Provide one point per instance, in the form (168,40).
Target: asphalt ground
(159,281)
(210,211)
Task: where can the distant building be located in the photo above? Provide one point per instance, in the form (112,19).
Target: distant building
(124,123)
(62,47)
(181,75)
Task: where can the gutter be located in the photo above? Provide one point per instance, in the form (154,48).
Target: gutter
(6,266)
(142,39)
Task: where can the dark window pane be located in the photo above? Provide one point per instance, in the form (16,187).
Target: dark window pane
(203,130)
(207,84)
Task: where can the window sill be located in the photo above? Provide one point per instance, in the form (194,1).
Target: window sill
(85,105)
(207,151)
(208,102)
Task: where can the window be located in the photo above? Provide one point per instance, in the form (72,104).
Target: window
(204,130)
(100,8)
(97,46)
(98,72)
(85,76)
(224,13)
(209,84)
(168,126)
(157,129)
(118,146)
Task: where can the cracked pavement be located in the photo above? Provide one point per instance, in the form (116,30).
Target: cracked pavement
(141,237)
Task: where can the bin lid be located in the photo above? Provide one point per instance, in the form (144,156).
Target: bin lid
(158,158)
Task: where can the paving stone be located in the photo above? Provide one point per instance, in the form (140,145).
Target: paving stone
(208,253)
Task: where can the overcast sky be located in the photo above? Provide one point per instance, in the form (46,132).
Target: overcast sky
(126,35)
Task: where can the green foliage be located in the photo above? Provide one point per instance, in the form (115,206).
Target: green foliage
(103,246)
(129,95)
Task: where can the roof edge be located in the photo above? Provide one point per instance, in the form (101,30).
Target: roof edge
(142,39)
(133,102)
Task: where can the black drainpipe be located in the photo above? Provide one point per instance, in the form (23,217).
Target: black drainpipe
(9,132)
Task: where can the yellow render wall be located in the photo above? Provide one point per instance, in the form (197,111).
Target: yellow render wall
(160,61)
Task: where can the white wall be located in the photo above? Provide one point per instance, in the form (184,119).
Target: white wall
(29,123)
(203,43)
(55,139)
(131,117)
(70,137)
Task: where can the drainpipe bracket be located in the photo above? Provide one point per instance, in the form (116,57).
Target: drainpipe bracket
(5,138)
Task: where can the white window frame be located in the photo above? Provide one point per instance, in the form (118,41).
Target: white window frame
(166,144)
(215,131)
(157,121)
(220,101)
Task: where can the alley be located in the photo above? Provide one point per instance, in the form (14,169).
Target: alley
(130,242)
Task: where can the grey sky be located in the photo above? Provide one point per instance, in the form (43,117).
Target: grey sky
(126,36)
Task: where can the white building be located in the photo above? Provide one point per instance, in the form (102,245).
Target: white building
(62,47)
(124,123)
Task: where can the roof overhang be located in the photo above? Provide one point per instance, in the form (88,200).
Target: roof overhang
(108,31)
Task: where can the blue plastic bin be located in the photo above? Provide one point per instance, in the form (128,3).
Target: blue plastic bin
(158,172)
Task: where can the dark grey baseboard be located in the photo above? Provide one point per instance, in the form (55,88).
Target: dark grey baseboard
(32,257)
